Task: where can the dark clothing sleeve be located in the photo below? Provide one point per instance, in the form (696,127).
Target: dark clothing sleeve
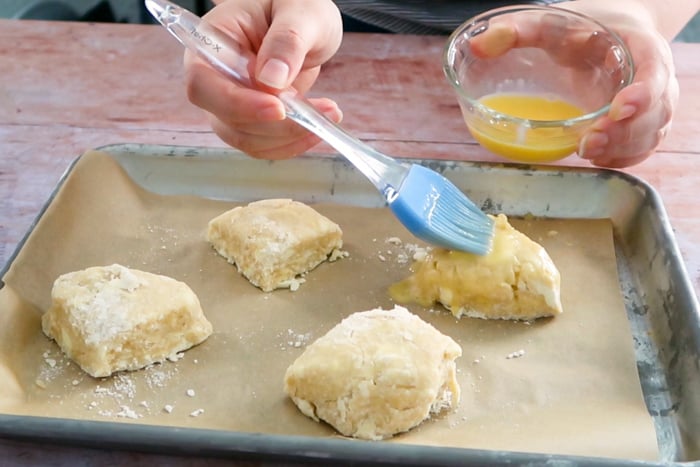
(417,16)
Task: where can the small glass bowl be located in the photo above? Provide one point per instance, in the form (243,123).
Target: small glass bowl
(531,79)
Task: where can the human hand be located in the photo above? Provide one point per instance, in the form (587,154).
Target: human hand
(640,114)
(291,39)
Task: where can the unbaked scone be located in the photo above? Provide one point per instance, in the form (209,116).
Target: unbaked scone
(112,318)
(273,241)
(375,374)
(516,280)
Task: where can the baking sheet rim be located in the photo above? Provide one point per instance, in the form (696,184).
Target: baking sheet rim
(260,444)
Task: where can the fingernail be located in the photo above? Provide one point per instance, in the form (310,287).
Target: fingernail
(592,145)
(333,112)
(335,115)
(274,73)
(271,113)
(626,111)
(500,39)
(597,139)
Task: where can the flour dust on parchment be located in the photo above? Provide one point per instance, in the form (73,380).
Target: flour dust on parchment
(125,395)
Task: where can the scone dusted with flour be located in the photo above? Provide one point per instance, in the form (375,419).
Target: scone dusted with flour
(517,280)
(375,374)
(112,318)
(273,242)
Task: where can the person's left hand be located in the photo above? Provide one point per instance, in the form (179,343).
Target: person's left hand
(640,114)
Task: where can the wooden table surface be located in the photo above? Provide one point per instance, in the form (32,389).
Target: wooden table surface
(69,87)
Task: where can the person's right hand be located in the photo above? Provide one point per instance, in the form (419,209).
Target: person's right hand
(291,39)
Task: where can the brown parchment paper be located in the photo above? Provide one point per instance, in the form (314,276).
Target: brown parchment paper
(574,390)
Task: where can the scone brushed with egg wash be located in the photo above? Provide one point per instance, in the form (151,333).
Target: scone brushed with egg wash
(517,280)
(273,242)
(376,374)
(112,318)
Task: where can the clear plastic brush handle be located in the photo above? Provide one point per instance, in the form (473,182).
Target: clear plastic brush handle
(226,55)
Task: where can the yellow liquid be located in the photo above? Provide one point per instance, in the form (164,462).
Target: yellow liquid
(528,144)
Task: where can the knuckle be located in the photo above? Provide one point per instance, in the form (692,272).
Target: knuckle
(228,134)
(286,38)
(666,111)
(193,77)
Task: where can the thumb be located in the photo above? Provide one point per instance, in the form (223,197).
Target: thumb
(292,43)
(282,54)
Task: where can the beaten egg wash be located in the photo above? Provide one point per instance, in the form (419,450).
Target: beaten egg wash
(528,144)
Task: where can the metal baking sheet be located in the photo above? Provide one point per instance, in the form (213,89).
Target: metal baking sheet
(660,302)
